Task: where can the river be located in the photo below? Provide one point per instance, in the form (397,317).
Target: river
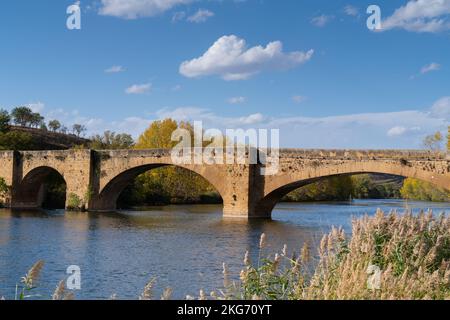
(182,246)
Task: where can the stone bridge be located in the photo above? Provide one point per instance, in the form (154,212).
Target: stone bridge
(96,178)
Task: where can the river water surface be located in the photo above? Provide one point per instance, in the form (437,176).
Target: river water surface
(182,246)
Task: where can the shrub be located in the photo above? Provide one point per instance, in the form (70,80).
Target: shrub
(74,202)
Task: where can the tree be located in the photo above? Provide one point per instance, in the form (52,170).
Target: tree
(158,135)
(78,129)
(168,184)
(5,119)
(63,129)
(448,139)
(43,126)
(16,140)
(22,116)
(4,189)
(433,141)
(420,190)
(111,141)
(36,120)
(330,189)
(54,125)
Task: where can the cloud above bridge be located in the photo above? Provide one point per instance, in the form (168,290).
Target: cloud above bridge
(401,129)
(420,16)
(133,9)
(441,108)
(231,59)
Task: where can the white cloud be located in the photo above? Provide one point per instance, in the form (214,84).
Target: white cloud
(200,16)
(115,69)
(237,100)
(396,131)
(351,11)
(187,114)
(322,20)
(251,119)
(441,108)
(420,16)
(133,9)
(131,125)
(430,67)
(230,58)
(299,99)
(365,130)
(139,88)
(36,106)
(178,16)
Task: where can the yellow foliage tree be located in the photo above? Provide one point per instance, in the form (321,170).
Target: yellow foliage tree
(448,139)
(159,134)
(433,141)
(168,184)
(420,190)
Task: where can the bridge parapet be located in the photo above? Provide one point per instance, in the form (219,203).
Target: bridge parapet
(343,154)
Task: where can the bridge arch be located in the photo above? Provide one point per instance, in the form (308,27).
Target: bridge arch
(112,186)
(31,190)
(279,186)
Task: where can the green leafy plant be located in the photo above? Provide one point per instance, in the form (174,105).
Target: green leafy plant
(74,202)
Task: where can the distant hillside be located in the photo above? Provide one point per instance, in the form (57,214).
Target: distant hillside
(47,140)
(385,179)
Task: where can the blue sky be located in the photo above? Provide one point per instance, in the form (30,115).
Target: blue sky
(310,68)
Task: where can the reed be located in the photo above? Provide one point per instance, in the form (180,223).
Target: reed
(388,256)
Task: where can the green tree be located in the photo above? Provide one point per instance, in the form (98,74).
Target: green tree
(22,116)
(16,140)
(54,125)
(368,186)
(43,126)
(78,129)
(4,188)
(36,120)
(109,140)
(329,189)
(5,119)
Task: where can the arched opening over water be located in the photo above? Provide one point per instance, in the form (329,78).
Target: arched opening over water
(43,187)
(349,186)
(158,184)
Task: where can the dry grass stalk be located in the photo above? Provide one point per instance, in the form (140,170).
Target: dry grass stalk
(147,294)
(33,274)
